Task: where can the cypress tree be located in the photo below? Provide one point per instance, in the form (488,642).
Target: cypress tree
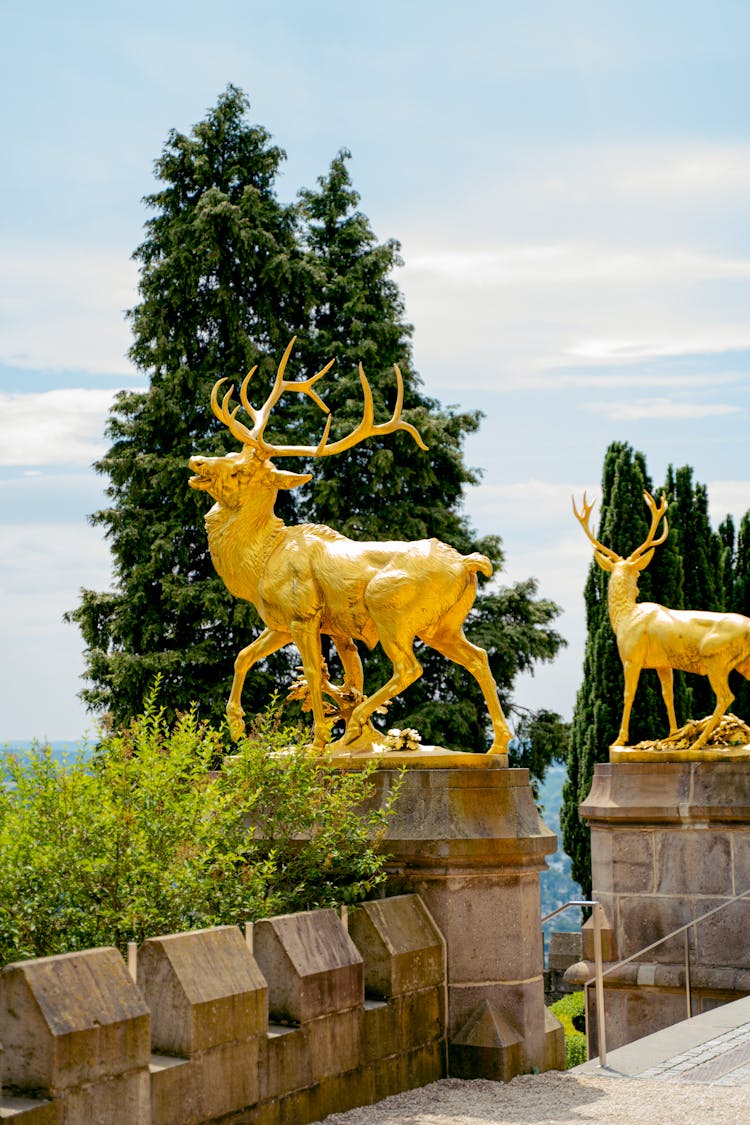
(740,603)
(704,561)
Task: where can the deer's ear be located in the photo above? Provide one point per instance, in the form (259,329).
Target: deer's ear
(643,562)
(283,479)
(604,561)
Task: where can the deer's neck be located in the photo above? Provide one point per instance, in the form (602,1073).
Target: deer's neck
(240,540)
(622,596)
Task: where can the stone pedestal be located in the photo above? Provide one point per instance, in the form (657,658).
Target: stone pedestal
(471,843)
(670,840)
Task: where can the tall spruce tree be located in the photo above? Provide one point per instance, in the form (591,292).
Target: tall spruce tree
(388,487)
(623,525)
(228,275)
(222,283)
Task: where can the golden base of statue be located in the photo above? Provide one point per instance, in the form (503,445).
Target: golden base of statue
(425,758)
(403,748)
(729,742)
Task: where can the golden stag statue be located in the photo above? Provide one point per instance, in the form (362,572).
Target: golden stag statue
(652,636)
(308,579)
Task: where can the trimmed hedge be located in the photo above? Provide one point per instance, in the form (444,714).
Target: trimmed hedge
(571,1012)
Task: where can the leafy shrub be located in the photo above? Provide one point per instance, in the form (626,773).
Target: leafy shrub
(145,838)
(571,1012)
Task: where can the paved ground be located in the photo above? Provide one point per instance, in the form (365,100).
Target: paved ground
(696,1071)
(712,1048)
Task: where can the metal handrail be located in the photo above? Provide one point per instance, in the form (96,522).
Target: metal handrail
(597,912)
(598,977)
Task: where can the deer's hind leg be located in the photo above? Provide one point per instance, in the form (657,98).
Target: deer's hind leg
(718,677)
(450,642)
(406,669)
(666,679)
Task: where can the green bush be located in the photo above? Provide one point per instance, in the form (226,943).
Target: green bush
(571,1012)
(144,838)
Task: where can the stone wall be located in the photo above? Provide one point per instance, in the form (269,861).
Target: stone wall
(670,841)
(315,1020)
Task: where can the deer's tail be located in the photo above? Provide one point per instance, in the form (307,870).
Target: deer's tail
(475,561)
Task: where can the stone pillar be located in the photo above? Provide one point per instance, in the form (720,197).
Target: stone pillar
(670,840)
(469,840)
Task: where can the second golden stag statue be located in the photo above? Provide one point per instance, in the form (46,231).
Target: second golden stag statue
(307,579)
(653,636)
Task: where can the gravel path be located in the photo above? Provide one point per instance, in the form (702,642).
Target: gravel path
(557,1098)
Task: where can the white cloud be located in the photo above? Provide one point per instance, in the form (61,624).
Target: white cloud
(537,504)
(654,377)
(636,409)
(676,170)
(42,568)
(63,309)
(720,341)
(61,427)
(728,497)
(562,263)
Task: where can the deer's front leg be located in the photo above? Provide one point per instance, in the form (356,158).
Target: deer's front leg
(269,641)
(306,636)
(632,672)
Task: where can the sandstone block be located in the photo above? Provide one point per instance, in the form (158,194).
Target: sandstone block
(125,1099)
(487,922)
(29,1111)
(564,949)
(622,860)
(706,855)
(554,1042)
(204,989)
(423,1017)
(311,964)
(722,939)
(334,1043)
(381,1029)
(72,1020)
(741,859)
(400,944)
(643,919)
(227,1078)
(285,1061)
(174,1091)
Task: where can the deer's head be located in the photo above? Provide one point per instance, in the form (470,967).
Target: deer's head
(627,568)
(231,479)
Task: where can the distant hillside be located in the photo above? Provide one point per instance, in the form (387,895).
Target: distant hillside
(556,883)
(60,748)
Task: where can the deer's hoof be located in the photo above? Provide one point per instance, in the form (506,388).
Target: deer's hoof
(236,721)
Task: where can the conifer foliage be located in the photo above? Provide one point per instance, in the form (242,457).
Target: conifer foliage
(695,568)
(228,274)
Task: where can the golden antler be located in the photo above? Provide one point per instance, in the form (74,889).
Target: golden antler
(583,518)
(260,415)
(656,515)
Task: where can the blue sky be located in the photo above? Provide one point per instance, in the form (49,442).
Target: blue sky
(570,185)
